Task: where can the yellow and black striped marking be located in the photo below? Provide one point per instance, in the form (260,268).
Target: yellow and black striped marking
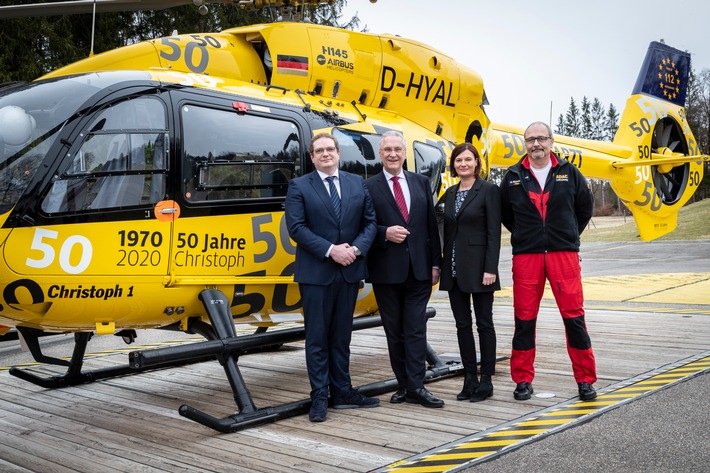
(498,440)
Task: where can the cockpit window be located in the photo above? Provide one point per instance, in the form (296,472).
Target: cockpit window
(237,156)
(122,161)
(31,118)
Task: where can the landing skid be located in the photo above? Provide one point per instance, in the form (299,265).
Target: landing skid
(223,344)
(74,374)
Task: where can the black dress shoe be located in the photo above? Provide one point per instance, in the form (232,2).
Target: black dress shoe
(423,397)
(586,391)
(354,399)
(398,397)
(523,391)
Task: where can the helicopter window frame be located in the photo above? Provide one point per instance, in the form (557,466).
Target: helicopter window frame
(358,152)
(230,155)
(122,160)
(430,161)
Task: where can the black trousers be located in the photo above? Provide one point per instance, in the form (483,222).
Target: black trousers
(328,317)
(483,308)
(403,311)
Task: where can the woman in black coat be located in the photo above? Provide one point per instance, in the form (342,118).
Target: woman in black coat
(469,270)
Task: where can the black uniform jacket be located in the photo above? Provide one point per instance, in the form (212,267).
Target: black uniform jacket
(548,219)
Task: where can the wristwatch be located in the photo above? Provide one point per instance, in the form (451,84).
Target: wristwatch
(357,251)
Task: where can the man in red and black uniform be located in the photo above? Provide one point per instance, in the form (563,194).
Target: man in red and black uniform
(547,203)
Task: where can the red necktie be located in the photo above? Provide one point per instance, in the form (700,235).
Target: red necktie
(399,197)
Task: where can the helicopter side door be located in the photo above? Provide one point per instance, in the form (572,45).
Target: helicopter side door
(236,159)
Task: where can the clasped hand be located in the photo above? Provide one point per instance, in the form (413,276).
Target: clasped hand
(396,233)
(343,254)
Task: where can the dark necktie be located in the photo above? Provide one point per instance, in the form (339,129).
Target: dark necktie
(334,197)
(399,197)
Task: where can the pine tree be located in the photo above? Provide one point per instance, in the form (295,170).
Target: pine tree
(597,119)
(611,123)
(586,119)
(560,128)
(572,120)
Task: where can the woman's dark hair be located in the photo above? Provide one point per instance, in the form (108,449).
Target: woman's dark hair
(460,148)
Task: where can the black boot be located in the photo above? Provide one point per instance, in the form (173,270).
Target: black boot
(484,389)
(470,383)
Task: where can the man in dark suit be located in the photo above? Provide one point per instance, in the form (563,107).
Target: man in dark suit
(330,217)
(403,265)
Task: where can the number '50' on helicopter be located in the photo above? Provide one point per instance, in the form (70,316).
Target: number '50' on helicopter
(143,187)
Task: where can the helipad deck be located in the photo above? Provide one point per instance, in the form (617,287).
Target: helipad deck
(132,423)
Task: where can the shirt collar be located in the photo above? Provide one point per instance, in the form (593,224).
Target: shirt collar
(389,176)
(553,161)
(324,175)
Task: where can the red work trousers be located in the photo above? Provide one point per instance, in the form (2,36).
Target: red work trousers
(563,271)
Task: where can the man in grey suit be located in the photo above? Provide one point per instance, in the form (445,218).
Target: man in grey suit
(403,265)
(329,215)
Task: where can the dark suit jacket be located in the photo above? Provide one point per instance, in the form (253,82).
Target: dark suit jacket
(312,224)
(387,261)
(476,230)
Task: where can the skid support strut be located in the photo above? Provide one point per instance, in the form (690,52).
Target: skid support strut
(217,306)
(227,347)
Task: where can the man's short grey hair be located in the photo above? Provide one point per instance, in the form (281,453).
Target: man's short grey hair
(549,130)
(396,134)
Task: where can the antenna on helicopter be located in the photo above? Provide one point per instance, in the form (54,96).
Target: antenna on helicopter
(93,27)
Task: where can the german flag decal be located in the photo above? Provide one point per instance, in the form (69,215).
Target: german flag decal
(294,65)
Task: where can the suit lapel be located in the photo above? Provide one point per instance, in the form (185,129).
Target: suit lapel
(346,192)
(472,194)
(413,195)
(381,187)
(319,189)
(450,208)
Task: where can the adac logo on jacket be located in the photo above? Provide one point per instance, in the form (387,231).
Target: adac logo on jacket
(562,177)
(514,182)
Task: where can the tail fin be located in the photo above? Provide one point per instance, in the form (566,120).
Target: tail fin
(664,167)
(664,74)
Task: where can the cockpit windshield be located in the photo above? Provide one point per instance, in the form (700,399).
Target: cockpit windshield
(31,118)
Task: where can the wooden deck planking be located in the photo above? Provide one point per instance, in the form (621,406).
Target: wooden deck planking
(131,423)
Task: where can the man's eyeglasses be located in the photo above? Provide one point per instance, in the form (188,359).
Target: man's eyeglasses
(319,151)
(540,139)
(396,150)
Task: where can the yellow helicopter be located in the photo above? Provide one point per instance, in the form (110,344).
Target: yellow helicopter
(143,187)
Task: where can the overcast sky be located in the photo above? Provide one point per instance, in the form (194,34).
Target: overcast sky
(532,55)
